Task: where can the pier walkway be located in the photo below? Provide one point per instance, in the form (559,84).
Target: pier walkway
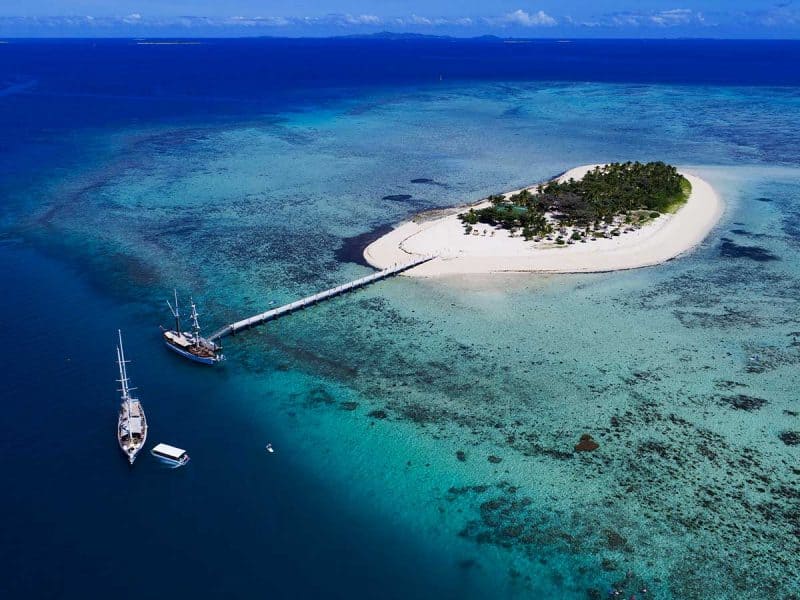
(318,297)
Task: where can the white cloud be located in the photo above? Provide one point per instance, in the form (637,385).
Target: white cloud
(520,17)
(254,21)
(421,21)
(779,16)
(346,20)
(417,20)
(679,19)
(362,20)
(675,16)
(663,18)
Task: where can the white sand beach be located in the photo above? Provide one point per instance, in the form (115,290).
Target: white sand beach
(494,250)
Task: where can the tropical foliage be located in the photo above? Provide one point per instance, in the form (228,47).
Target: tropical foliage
(638,190)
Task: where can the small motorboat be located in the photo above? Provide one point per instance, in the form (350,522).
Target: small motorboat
(270,449)
(171,455)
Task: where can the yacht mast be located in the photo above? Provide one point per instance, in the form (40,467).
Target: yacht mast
(123,379)
(175,313)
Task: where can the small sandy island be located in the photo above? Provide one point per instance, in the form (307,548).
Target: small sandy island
(494,250)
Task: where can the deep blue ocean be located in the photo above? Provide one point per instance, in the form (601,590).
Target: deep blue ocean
(252,171)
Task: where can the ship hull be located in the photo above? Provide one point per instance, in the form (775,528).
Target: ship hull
(131,456)
(171,462)
(198,359)
(130,447)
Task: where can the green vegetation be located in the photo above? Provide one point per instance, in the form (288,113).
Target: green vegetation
(686,191)
(632,193)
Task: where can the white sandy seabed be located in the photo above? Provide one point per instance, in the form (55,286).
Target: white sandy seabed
(658,241)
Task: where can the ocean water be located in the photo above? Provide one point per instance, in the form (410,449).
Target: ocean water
(424,429)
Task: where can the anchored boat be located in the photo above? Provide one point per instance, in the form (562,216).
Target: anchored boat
(171,455)
(132,424)
(190,344)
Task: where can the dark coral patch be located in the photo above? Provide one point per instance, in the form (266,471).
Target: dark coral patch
(460,491)
(747,233)
(461,455)
(398,197)
(352,248)
(427,181)
(586,444)
(730,249)
(495,459)
(790,438)
(742,402)
(614,541)
(608,565)
(377,414)
(420,414)
(319,396)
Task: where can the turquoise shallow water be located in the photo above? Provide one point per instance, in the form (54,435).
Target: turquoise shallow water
(685,374)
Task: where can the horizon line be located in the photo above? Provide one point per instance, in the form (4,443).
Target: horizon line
(399,36)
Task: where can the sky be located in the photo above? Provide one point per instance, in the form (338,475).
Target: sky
(461,18)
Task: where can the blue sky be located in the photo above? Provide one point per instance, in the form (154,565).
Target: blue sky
(545,18)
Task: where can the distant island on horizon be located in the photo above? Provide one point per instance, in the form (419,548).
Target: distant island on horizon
(410,36)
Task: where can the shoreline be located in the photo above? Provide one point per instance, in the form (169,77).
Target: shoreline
(495,251)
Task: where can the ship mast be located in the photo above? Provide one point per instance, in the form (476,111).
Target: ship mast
(195,323)
(123,380)
(175,313)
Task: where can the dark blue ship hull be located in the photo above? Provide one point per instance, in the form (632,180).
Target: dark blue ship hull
(190,356)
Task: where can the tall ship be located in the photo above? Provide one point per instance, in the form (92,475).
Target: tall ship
(132,424)
(190,344)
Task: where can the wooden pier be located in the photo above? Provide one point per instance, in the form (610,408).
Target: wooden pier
(318,297)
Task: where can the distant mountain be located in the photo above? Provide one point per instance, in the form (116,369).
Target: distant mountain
(389,35)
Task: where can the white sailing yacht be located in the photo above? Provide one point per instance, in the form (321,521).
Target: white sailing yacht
(132,424)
